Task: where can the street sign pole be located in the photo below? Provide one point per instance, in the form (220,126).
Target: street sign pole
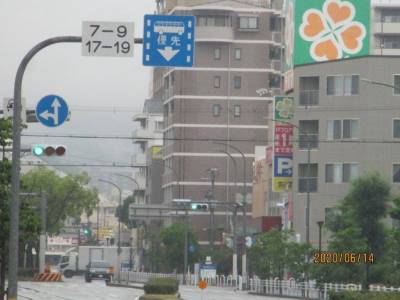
(16,160)
(42,245)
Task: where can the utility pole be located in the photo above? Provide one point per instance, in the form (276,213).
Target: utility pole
(210,197)
(234,244)
(186,246)
(43,244)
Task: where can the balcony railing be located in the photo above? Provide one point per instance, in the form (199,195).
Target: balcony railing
(309,97)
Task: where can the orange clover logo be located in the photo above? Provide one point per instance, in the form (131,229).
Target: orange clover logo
(332,32)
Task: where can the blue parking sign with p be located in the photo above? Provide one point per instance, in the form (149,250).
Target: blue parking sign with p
(283,166)
(168,41)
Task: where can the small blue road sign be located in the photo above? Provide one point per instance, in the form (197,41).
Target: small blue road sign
(168,41)
(52,111)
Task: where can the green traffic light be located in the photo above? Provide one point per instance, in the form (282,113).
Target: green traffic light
(194,206)
(38,150)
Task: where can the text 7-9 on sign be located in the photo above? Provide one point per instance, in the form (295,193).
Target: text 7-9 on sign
(108,38)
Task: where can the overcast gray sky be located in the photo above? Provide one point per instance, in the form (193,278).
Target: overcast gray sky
(84,82)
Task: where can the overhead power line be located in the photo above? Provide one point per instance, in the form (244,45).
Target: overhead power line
(352,141)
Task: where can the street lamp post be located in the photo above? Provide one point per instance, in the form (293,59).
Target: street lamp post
(244,256)
(234,246)
(119,250)
(133,196)
(185,203)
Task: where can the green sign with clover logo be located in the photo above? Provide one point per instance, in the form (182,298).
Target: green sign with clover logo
(284,108)
(330,30)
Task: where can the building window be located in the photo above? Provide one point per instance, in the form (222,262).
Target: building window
(334,85)
(216,110)
(334,130)
(351,129)
(351,85)
(309,91)
(396,128)
(274,53)
(340,173)
(274,81)
(396,173)
(308,134)
(221,21)
(217,53)
(333,173)
(248,23)
(159,125)
(275,24)
(237,82)
(236,110)
(217,82)
(339,85)
(350,171)
(343,129)
(308,178)
(396,83)
(238,53)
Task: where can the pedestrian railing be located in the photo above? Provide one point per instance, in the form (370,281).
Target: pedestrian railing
(255,285)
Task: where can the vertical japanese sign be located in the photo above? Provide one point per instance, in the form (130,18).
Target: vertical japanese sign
(283,146)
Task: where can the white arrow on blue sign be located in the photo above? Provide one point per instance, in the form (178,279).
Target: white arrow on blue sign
(52,111)
(168,41)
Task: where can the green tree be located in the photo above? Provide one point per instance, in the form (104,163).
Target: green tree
(274,254)
(122,212)
(67,196)
(5,181)
(357,227)
(173,241)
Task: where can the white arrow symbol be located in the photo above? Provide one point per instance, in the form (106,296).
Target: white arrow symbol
(56,105)
(46,114)
(168,53)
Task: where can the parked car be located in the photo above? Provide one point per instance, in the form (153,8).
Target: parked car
(99,270)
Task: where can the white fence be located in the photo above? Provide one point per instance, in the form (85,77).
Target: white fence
(273,287)
(190,279)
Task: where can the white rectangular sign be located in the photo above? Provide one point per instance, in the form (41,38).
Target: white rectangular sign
(108,38)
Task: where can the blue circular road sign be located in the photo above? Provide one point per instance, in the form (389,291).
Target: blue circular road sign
(52,111)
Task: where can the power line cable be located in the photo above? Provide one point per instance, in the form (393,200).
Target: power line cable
(352,141)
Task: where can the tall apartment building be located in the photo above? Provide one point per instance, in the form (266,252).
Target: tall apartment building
(238,46)
(351,127)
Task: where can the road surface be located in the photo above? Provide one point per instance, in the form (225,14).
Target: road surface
(76,289)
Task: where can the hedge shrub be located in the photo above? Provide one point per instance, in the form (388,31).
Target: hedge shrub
(161,286)
(348,295)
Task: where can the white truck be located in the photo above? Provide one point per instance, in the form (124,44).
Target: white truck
(75,260)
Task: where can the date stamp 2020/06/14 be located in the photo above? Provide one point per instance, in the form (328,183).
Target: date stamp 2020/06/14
(324,257)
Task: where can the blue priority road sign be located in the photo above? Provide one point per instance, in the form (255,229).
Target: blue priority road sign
(52,111)
(168,41)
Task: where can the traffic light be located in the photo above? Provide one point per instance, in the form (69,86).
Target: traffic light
(87,231)
(48,150)
(200,206)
